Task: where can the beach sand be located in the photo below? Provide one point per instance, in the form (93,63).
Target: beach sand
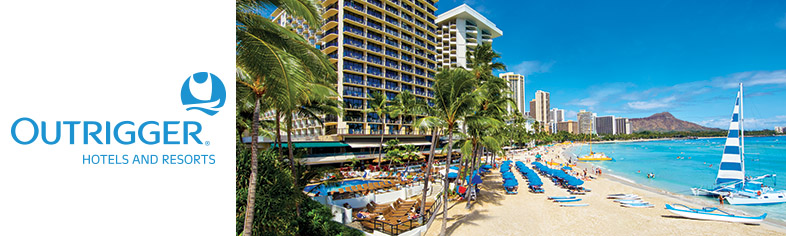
(496,213)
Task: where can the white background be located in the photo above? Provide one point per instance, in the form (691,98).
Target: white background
(114,61)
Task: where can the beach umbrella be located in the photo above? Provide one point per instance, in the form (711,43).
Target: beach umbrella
(508,175)
(452,175)
(567,168)
(476,179)
(454,167)
(575,182)
(535,182)
(486,166)
(510,183)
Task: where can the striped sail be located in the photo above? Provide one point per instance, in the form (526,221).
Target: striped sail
(731,167)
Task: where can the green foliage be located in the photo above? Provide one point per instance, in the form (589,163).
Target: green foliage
(274,205)
(274,211)
(318,221)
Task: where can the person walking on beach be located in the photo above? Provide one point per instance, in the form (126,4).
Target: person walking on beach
(720,198)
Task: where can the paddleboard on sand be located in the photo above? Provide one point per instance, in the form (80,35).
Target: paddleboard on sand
(567,200)
(561,197)
(645,205)
(574,205)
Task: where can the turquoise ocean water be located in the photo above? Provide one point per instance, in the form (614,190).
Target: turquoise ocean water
(764,155)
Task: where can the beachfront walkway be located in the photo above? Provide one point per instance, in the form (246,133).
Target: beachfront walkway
(532,214)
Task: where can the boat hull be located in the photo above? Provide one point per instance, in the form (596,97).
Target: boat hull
(764,199)
(595,157)
(703,215)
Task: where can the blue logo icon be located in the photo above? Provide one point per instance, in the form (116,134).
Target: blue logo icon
(204,92)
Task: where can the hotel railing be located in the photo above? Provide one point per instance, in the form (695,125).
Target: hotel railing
(354,5)
(372,131)
(374,13)
(374,25)
(376,3)
(391,31)
(391,20)
(355,18)
(391,10)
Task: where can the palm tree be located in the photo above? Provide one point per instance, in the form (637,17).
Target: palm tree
(456,98)
(492,108)
(433,123)
(407,105)
(484,61)
(278,64)
(378,104)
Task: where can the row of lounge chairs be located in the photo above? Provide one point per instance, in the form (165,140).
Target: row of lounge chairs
(535,185)
(368,188)
(562,179)
(510,183)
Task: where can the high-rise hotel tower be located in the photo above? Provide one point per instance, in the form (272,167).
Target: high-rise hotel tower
(516,84)
(461,30)
(386,46)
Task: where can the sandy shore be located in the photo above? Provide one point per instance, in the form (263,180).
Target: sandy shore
(497,213)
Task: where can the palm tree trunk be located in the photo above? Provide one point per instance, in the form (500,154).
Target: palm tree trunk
(292,159)
(434,138)
(381,139)
(471,170)
(278,133)
(446,186)
(252,180)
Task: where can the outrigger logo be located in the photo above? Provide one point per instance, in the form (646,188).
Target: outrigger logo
(204,92)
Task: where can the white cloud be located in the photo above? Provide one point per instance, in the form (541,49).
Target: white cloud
(751,123)
(531,67)
(600,94)
(571,115)
(715,123)
(653,104)
(751,78)
(782,22)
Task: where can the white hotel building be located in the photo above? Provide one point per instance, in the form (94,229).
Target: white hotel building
(461,30)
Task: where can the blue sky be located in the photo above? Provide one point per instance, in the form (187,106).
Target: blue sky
(637,58)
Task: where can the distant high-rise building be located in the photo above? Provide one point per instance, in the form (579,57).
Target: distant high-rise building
(556,115)
(568,126)
(586,122)
(541,107)
(622,125)
(516,84)
(461,30)
(780,129)
(532,109)
(605,125)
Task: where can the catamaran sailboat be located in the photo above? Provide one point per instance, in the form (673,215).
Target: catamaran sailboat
(731,181)
(594,156)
